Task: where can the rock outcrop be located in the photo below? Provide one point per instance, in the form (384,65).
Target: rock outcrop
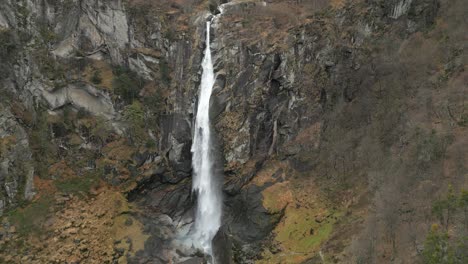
(16,169)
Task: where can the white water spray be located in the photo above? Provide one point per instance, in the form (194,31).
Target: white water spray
(401,8)
(208,213)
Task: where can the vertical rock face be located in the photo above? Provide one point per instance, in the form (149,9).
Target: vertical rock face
(16,168)
(301,107)
(339,124)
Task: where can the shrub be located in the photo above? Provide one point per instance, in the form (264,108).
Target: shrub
(135,115)
(439,247)
(47,35)
(154,103)
(436,247)
(126,84)
(439,250)
(96,78)
(165,72)
(8,44)
(212,6)
(82,113)
(463,120)
(101,130)
(50,68)
(446,207)
(150,143)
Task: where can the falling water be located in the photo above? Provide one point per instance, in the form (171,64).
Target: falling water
(208,214)
(401,8)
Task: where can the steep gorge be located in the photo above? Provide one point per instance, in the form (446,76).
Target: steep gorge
(339,127)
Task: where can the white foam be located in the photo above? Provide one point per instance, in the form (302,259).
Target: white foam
(209,207)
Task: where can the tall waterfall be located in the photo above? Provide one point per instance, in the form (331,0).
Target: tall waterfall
(209,207)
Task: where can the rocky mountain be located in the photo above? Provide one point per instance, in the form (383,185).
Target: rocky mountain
(341,130)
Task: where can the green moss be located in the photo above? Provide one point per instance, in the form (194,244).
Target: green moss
(30,218)
(135,115)
(79,185)
(300,232)
(306,223)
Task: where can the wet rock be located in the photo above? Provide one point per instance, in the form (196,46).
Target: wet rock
(253,222)
(222,248)
(195,260)
(218,104)
(176,140)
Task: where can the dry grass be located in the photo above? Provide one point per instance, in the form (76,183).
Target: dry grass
(105,73)
(61,170)
(270,25)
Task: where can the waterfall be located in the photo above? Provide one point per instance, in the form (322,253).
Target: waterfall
(209,207)
(401,8)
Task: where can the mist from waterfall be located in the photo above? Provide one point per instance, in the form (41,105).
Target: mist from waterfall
(209,203)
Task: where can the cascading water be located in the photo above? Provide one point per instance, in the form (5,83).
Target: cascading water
(208,212)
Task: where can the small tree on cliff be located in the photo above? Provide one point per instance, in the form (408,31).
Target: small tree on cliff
(463,203)
(436,247)
(134,114)
(445,208)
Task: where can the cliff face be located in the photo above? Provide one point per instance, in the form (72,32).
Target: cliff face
(341,129)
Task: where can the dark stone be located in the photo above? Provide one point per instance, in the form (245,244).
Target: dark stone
(220,82)
(274,87)
(235,182)
(222,247)
(176,139)
(176,125)
(239,87)
(218,64)
(424,12)
(246,218)
(59,130)
(218,103)
(302,165)
(194,260)
(140,158)
(129,222)
(261,133)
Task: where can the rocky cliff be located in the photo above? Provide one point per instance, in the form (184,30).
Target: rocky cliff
(340,130)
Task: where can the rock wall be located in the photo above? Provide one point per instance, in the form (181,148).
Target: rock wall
(17,172)
(339,125)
